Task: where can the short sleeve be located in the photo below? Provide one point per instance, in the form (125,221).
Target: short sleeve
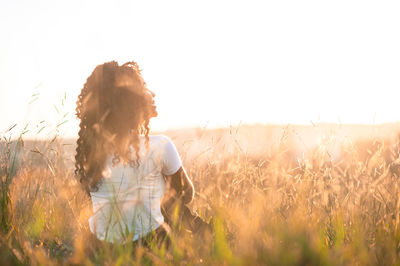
(171,160)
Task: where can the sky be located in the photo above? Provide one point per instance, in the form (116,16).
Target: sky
(210,63)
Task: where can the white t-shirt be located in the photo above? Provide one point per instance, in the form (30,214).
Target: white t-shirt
(128,198)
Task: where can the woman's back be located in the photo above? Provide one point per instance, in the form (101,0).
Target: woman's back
(114,108)
(128,198)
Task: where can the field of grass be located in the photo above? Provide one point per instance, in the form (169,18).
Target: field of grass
(277,195)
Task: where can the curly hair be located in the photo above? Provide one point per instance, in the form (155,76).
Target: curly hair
(114,109)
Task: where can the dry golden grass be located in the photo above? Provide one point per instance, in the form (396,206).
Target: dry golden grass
(320,195)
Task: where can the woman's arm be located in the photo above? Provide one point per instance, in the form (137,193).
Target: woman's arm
(182,185)
(181,192)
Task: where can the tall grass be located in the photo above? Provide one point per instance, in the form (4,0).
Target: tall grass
(273,197)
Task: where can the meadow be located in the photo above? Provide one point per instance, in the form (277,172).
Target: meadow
(322,194)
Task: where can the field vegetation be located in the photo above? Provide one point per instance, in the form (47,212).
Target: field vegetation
(276,195)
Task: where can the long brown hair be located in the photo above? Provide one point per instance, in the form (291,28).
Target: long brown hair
(113,110)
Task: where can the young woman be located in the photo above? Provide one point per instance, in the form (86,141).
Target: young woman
(124,169)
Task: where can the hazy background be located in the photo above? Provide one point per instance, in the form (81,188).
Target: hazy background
(211,63)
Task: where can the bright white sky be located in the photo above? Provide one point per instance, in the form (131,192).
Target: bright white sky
(211,63)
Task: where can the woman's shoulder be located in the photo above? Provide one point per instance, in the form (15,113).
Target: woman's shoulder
(159,145)
(156,142)
(159,139)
